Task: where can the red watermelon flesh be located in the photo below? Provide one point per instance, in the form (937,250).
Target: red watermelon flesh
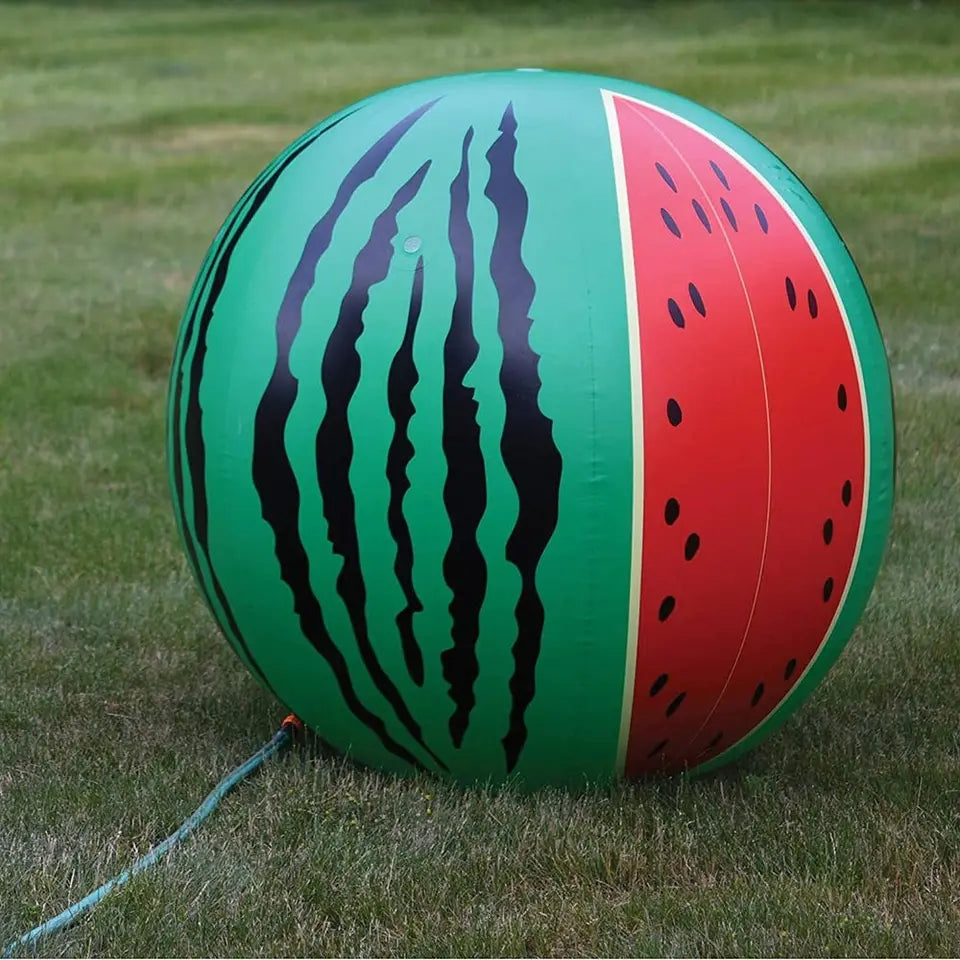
(753,443)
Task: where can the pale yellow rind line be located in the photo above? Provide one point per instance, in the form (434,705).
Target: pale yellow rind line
(636,395)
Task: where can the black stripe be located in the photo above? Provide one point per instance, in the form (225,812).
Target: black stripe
(403,377)
(226,235)
(273,474)
(340,375)
(465,489)
(218,264)
(529,452)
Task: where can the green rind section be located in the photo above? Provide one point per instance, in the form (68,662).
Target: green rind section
(573,722)
(877,387)
(182,358)
(573,249)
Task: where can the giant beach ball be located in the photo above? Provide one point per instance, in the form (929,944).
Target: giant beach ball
(532,426)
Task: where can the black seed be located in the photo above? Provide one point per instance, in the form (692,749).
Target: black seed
(812,305)
(674,413)
(659,684)
(720,175)
(757,694)
(657,749)
(676,314)
(696,300)
(667,179)
(670,222)
(702,216)
(715,741)
(728,213)
(666,608)
(791,294)
(846,494)
(827,589)
(791,666)
(842,397)
(828,531)
(761,217)
(691,546)
(671,511)
(674,703)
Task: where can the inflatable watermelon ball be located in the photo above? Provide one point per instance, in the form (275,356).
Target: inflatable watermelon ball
(532,425)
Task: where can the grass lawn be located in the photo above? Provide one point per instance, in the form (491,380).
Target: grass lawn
(126,133)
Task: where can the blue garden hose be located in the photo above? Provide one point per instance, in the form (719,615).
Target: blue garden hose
(279,740)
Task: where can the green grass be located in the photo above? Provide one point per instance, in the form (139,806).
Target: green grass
(126,133)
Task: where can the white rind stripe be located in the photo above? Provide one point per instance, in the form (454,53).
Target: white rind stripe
(636,395)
